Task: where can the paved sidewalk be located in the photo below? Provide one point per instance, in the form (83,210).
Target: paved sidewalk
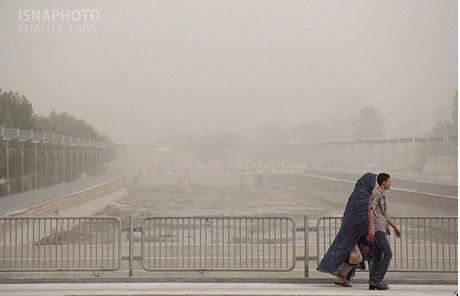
(216,289)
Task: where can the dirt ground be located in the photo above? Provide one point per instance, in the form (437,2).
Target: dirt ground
(223,196)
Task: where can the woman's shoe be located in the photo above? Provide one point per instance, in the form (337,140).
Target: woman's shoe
(343,284)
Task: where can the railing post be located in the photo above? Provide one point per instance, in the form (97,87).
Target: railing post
(131,234)
(306,247)
(8,181)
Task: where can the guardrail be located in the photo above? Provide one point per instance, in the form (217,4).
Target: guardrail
(427,244)
(218,244)
(60,244)
(207,243)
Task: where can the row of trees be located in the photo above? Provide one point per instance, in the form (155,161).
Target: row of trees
(367,124)
(272,139)
(433,151)
(17,112)
(54,163)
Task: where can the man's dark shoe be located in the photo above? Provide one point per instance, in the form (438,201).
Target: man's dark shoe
(383,282)
(377,286)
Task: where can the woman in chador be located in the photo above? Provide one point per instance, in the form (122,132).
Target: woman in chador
(340,260)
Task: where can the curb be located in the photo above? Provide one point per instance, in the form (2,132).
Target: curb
(214,280)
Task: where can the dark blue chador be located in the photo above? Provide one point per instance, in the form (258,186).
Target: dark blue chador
(355,225)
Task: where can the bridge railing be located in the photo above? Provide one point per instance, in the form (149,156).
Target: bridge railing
(218,244)
(60,244)
(207,243)
(427,244)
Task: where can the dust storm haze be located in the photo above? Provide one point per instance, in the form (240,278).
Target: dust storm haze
(147,68)
(232,109)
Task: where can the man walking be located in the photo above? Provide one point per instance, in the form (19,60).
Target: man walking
(378,231)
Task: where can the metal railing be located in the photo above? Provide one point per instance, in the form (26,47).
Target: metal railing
(60,244)
(218,244)
(207,243)
(427,244)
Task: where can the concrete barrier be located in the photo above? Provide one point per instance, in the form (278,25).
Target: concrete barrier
(440,205)
(86,202)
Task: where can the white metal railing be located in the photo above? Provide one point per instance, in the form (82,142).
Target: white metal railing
(207,243)
(218,244)
(60,244)
(427,244)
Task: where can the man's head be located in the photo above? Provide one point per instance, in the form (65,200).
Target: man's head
(384,181)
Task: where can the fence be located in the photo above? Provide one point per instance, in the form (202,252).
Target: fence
(207,243)
(427,244)
(60,244)
(218,244)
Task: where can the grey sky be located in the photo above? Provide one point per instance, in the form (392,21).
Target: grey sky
(157,65)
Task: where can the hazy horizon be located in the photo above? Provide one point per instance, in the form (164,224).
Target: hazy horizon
(153,66)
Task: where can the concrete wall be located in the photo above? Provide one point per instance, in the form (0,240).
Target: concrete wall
(403,202)
(398,182)
(82,203)
(18,202)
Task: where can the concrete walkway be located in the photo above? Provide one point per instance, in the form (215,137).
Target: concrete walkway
(132,289)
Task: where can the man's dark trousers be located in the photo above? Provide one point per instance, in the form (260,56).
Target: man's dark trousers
(382,257)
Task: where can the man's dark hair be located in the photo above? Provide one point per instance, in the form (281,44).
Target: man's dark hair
(382,177)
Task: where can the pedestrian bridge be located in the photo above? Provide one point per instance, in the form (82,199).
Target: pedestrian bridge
(255,165)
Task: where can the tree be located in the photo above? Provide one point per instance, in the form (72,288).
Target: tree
(68,125)
(369,124)
(15,111)
(441,129)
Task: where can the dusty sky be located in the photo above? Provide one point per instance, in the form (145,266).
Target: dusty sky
(236,64)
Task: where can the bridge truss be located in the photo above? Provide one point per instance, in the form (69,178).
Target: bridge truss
(255,165)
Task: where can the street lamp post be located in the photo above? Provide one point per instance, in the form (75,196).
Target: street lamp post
(55,164)
(77,162)
(45,149)
(50,138)
(23,135)
(61,143)
(22,164)
(36,138)
(63,164)
(83,167)
(8,135)
(35,165)
(71,162)
(66,145)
